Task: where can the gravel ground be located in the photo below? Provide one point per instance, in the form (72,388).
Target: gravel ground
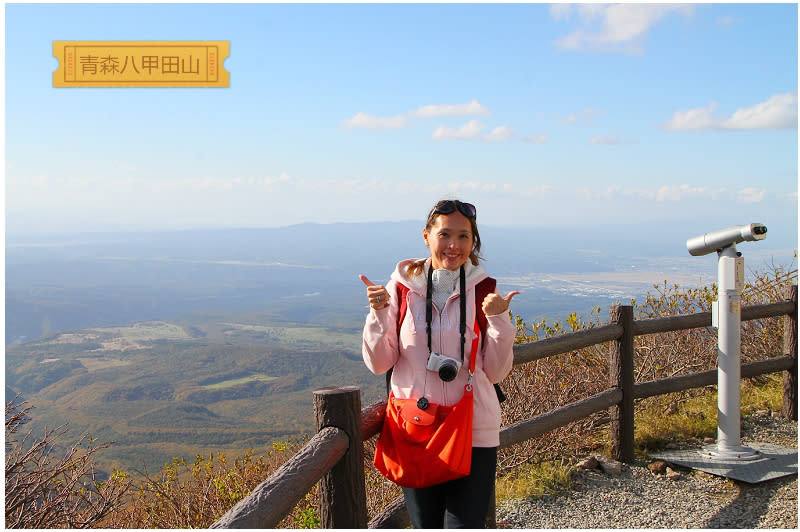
(637,498)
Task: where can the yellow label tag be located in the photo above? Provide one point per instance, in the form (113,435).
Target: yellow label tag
(141,63)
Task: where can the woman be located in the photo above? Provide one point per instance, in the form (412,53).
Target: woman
(451,234)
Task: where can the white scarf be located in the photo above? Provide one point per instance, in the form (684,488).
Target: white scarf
(444,284)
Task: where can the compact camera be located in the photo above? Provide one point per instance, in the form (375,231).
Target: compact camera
(447,367)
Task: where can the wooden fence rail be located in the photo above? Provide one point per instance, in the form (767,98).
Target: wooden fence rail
(706,378)
(544,423)
(273,499)
(334,457)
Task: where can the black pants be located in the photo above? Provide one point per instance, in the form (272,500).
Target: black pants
(460,503)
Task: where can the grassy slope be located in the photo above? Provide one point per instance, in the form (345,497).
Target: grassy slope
(161,389)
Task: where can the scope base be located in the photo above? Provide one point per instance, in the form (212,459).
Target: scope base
(730,454)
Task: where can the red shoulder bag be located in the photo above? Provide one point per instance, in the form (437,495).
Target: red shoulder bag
(423,447)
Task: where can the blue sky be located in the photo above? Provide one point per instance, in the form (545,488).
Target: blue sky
(541,115)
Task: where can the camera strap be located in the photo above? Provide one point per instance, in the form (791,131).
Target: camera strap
(463,307)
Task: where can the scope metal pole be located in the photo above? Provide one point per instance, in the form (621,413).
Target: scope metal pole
(728,314)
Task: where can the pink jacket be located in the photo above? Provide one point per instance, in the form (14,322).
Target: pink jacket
(411,379)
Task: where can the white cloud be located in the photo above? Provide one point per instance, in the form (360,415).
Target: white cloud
(686,192)
(406,188)
(470,130)
(260,199)
(269,180)
(611,191)
(561,11)
(473,108)
(694,119)
(778,112)
(122,165)
(605,139)
(46,183)
(367,121)
(677,193)
(666,193)
(362,120)
(751,195)
(283,178)
(59,187)
(610,140)
(473,130)
(194,183)
(613,28)
(615,192)
(36,181)
(534,139)
(499,133)
(640,193)
(539,192)
(353,187)
(585,117)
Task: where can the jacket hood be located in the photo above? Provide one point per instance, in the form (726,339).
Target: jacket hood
(419,283)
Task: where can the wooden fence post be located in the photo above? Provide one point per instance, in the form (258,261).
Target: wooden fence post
(343,497)
(789,409)
(621,376)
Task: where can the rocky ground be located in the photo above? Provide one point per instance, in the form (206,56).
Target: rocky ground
(614,495)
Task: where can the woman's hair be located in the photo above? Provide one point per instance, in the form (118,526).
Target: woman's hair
(416,268)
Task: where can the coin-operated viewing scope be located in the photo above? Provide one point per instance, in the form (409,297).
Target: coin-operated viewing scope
(718,240)
(726,317)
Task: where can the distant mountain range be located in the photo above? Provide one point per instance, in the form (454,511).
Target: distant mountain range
(56,282)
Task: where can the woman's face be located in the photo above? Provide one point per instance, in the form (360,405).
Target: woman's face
(450,241)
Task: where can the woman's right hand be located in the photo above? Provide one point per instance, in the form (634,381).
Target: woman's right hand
(376,294)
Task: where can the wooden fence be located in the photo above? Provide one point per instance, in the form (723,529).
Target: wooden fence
(334,456)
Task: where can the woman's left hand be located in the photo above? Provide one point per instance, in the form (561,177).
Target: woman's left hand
(493,304)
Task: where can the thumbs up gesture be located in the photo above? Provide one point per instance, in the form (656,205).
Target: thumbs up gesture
(376,293)
(494,304)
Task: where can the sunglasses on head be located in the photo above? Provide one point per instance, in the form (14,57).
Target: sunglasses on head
(450,206)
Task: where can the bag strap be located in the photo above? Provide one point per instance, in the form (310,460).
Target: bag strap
(401,293)
(483,289)
(402,290)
